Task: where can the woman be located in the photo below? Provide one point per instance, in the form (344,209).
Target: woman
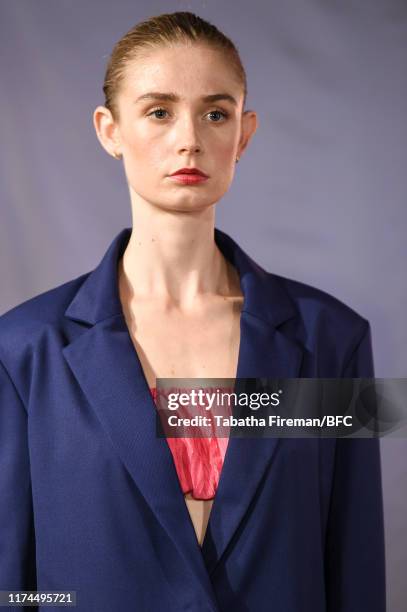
(91,499)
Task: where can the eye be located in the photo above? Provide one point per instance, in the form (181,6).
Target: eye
(157,110)
(218,112)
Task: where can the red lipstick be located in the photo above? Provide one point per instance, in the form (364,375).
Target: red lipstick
(189,176)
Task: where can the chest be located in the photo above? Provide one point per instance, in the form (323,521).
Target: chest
(175,345)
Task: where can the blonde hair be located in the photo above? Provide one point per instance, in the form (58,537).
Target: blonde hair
(161,30)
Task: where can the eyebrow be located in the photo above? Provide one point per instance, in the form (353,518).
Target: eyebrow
(172,97)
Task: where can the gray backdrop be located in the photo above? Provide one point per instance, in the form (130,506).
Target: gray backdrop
(320,196)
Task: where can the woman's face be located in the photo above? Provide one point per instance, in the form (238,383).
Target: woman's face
(158,136)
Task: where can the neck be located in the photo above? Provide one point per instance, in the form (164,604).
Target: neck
(172,258)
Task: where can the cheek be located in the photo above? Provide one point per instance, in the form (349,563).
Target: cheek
(145,153)
(224,164)
(223,149)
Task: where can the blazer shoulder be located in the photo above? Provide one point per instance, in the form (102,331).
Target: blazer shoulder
(22,323)
(317,308)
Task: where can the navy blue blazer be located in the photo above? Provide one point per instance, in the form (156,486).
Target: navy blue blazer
(90,499)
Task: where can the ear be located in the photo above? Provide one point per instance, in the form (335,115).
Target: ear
(106,130)
(249,125)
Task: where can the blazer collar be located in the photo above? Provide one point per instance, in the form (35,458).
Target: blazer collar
(98,296)
(105,363)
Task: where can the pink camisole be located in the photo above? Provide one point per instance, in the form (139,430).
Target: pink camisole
(198,462)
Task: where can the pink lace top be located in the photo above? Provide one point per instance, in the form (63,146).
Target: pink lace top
(198,462)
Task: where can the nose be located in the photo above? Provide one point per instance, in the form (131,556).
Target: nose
(188,137)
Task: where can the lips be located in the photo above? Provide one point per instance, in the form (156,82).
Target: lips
(191,171)
(188,179)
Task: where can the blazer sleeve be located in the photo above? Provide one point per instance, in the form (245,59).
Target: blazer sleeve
(17,541)
(355,552)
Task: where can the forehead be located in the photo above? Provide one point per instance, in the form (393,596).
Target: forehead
(190,69)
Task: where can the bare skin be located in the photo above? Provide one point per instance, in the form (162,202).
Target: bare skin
(181,298)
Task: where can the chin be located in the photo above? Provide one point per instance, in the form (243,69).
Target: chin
(190,205)
(189,196)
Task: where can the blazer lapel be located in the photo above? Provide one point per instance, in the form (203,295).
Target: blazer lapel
(105,363)
(264,352)
(106,366)
(108,370)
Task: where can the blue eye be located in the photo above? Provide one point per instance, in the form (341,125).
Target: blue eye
(218,112)
(157,110)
